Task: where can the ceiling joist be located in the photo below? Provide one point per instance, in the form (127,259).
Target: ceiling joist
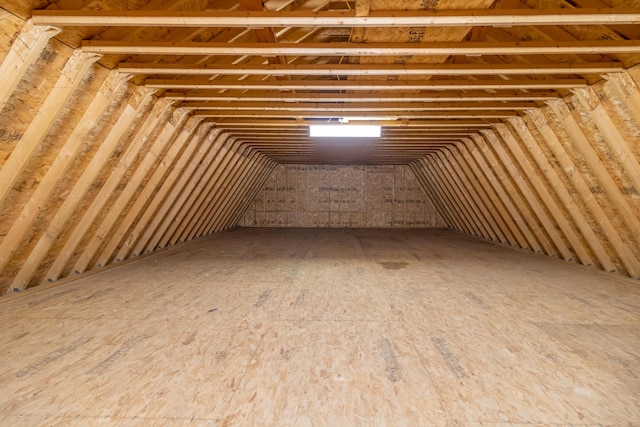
(369,69)
(439,96)
(356,107)
(288,123)
(368,113)
(374,19)
(367,85)
(277,71)
(363,49)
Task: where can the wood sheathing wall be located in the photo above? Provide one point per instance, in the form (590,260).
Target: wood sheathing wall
(95,169)
(562,180)
(342,196)
(99,166)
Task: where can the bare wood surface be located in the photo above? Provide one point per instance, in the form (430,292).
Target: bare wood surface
(328,327)
(355,49)
(257,19)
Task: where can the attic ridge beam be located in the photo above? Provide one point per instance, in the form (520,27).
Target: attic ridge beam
(262,19)
(363,49)
(375,97)
(368,85)
(369,69)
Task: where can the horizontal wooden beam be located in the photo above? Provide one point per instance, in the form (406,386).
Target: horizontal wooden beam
(603,47)
(354,150)
(262,19)
(365,69)
(322,114)
(367,85)
(234,130)
(278,137)
(392,133)
(286,123)
(339,144)
(388,144)
(439,96)
(304,136)
(350,107)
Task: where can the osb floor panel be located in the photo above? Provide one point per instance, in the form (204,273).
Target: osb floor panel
(279,327)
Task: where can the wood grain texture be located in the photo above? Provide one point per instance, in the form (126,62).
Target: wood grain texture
(342,196)
(328,327)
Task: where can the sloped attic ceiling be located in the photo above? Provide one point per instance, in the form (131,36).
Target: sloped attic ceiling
(132,125)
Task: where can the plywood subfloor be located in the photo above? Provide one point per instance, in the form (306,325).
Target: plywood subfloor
(279,327)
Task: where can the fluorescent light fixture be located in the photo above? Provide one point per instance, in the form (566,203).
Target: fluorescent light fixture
(344,131)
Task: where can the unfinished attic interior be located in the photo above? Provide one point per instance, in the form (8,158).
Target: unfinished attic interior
(177,249)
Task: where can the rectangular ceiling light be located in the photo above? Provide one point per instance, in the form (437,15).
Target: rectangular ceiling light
(344,131)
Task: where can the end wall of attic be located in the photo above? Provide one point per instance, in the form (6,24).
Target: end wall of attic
(342,196)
